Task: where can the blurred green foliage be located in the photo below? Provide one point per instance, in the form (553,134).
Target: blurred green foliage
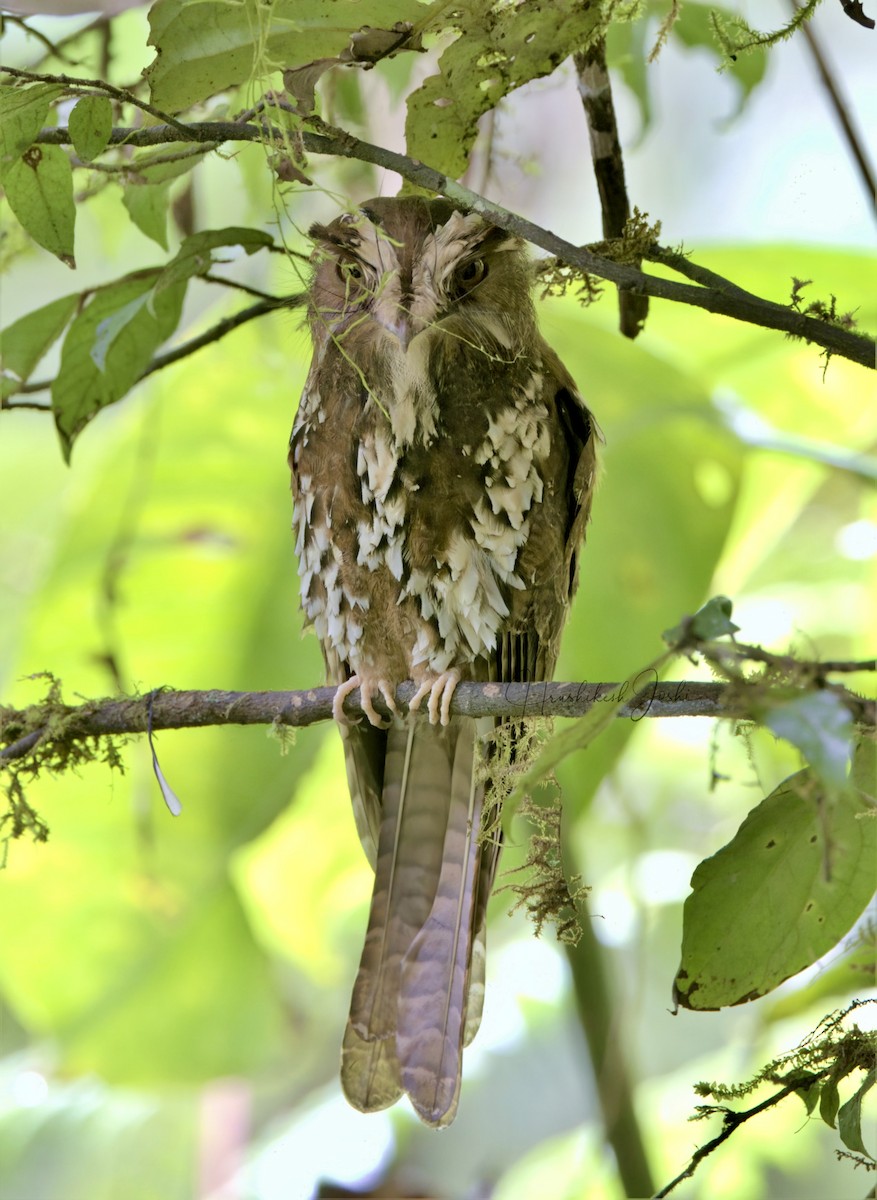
(173,991)
(159,954)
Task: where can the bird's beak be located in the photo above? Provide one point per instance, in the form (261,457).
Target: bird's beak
(400,327)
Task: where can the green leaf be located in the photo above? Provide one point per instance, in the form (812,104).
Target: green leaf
(108,346)
(849,1118)
(147,206)
(629,45)
(809,1095)
(90,125)
(204,48)
(694,29)
(26,341)
(194,257)
(854,972)
(39,188)
(503,47)
(711,621)
(821,727)
(864,770)
(23,112)
(764,908)
(167,162)
(112,326)
(829,1101)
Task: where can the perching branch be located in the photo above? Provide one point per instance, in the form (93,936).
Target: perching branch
(721,296)
(195,709)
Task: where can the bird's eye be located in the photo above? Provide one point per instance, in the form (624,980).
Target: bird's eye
(470,274)
(349,272)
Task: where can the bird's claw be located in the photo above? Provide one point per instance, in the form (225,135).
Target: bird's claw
(369,687)
(440,690)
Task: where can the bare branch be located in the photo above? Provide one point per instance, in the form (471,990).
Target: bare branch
(721,296)
(220,329)
(99,85)
(838,103)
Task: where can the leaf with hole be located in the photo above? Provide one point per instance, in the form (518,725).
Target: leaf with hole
(23,113)
(783,892)
(39,188)
(504,46)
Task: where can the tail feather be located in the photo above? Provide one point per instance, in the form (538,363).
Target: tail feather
(436,968)
(419,990)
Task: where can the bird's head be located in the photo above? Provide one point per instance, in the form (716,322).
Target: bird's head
(401,268)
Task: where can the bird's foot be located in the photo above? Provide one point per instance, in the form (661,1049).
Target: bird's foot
(369,686)
(440,690)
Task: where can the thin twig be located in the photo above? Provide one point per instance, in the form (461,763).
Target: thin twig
(243,287)
(8,403)
(100,85)
(51,47)
(841,109)
(732,1121)
(220,329)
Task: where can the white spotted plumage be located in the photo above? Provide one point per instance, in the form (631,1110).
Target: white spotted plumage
(442,467)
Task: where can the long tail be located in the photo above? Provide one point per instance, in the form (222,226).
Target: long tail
(411,1011)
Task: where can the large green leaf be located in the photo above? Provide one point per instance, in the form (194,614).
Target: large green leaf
(501,47)
(147,206)
(107,347)
(206,47)
(195,258)
(113,339)
(849,1117)
(784,891)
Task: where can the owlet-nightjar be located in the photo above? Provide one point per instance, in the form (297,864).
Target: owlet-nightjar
(442,470)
